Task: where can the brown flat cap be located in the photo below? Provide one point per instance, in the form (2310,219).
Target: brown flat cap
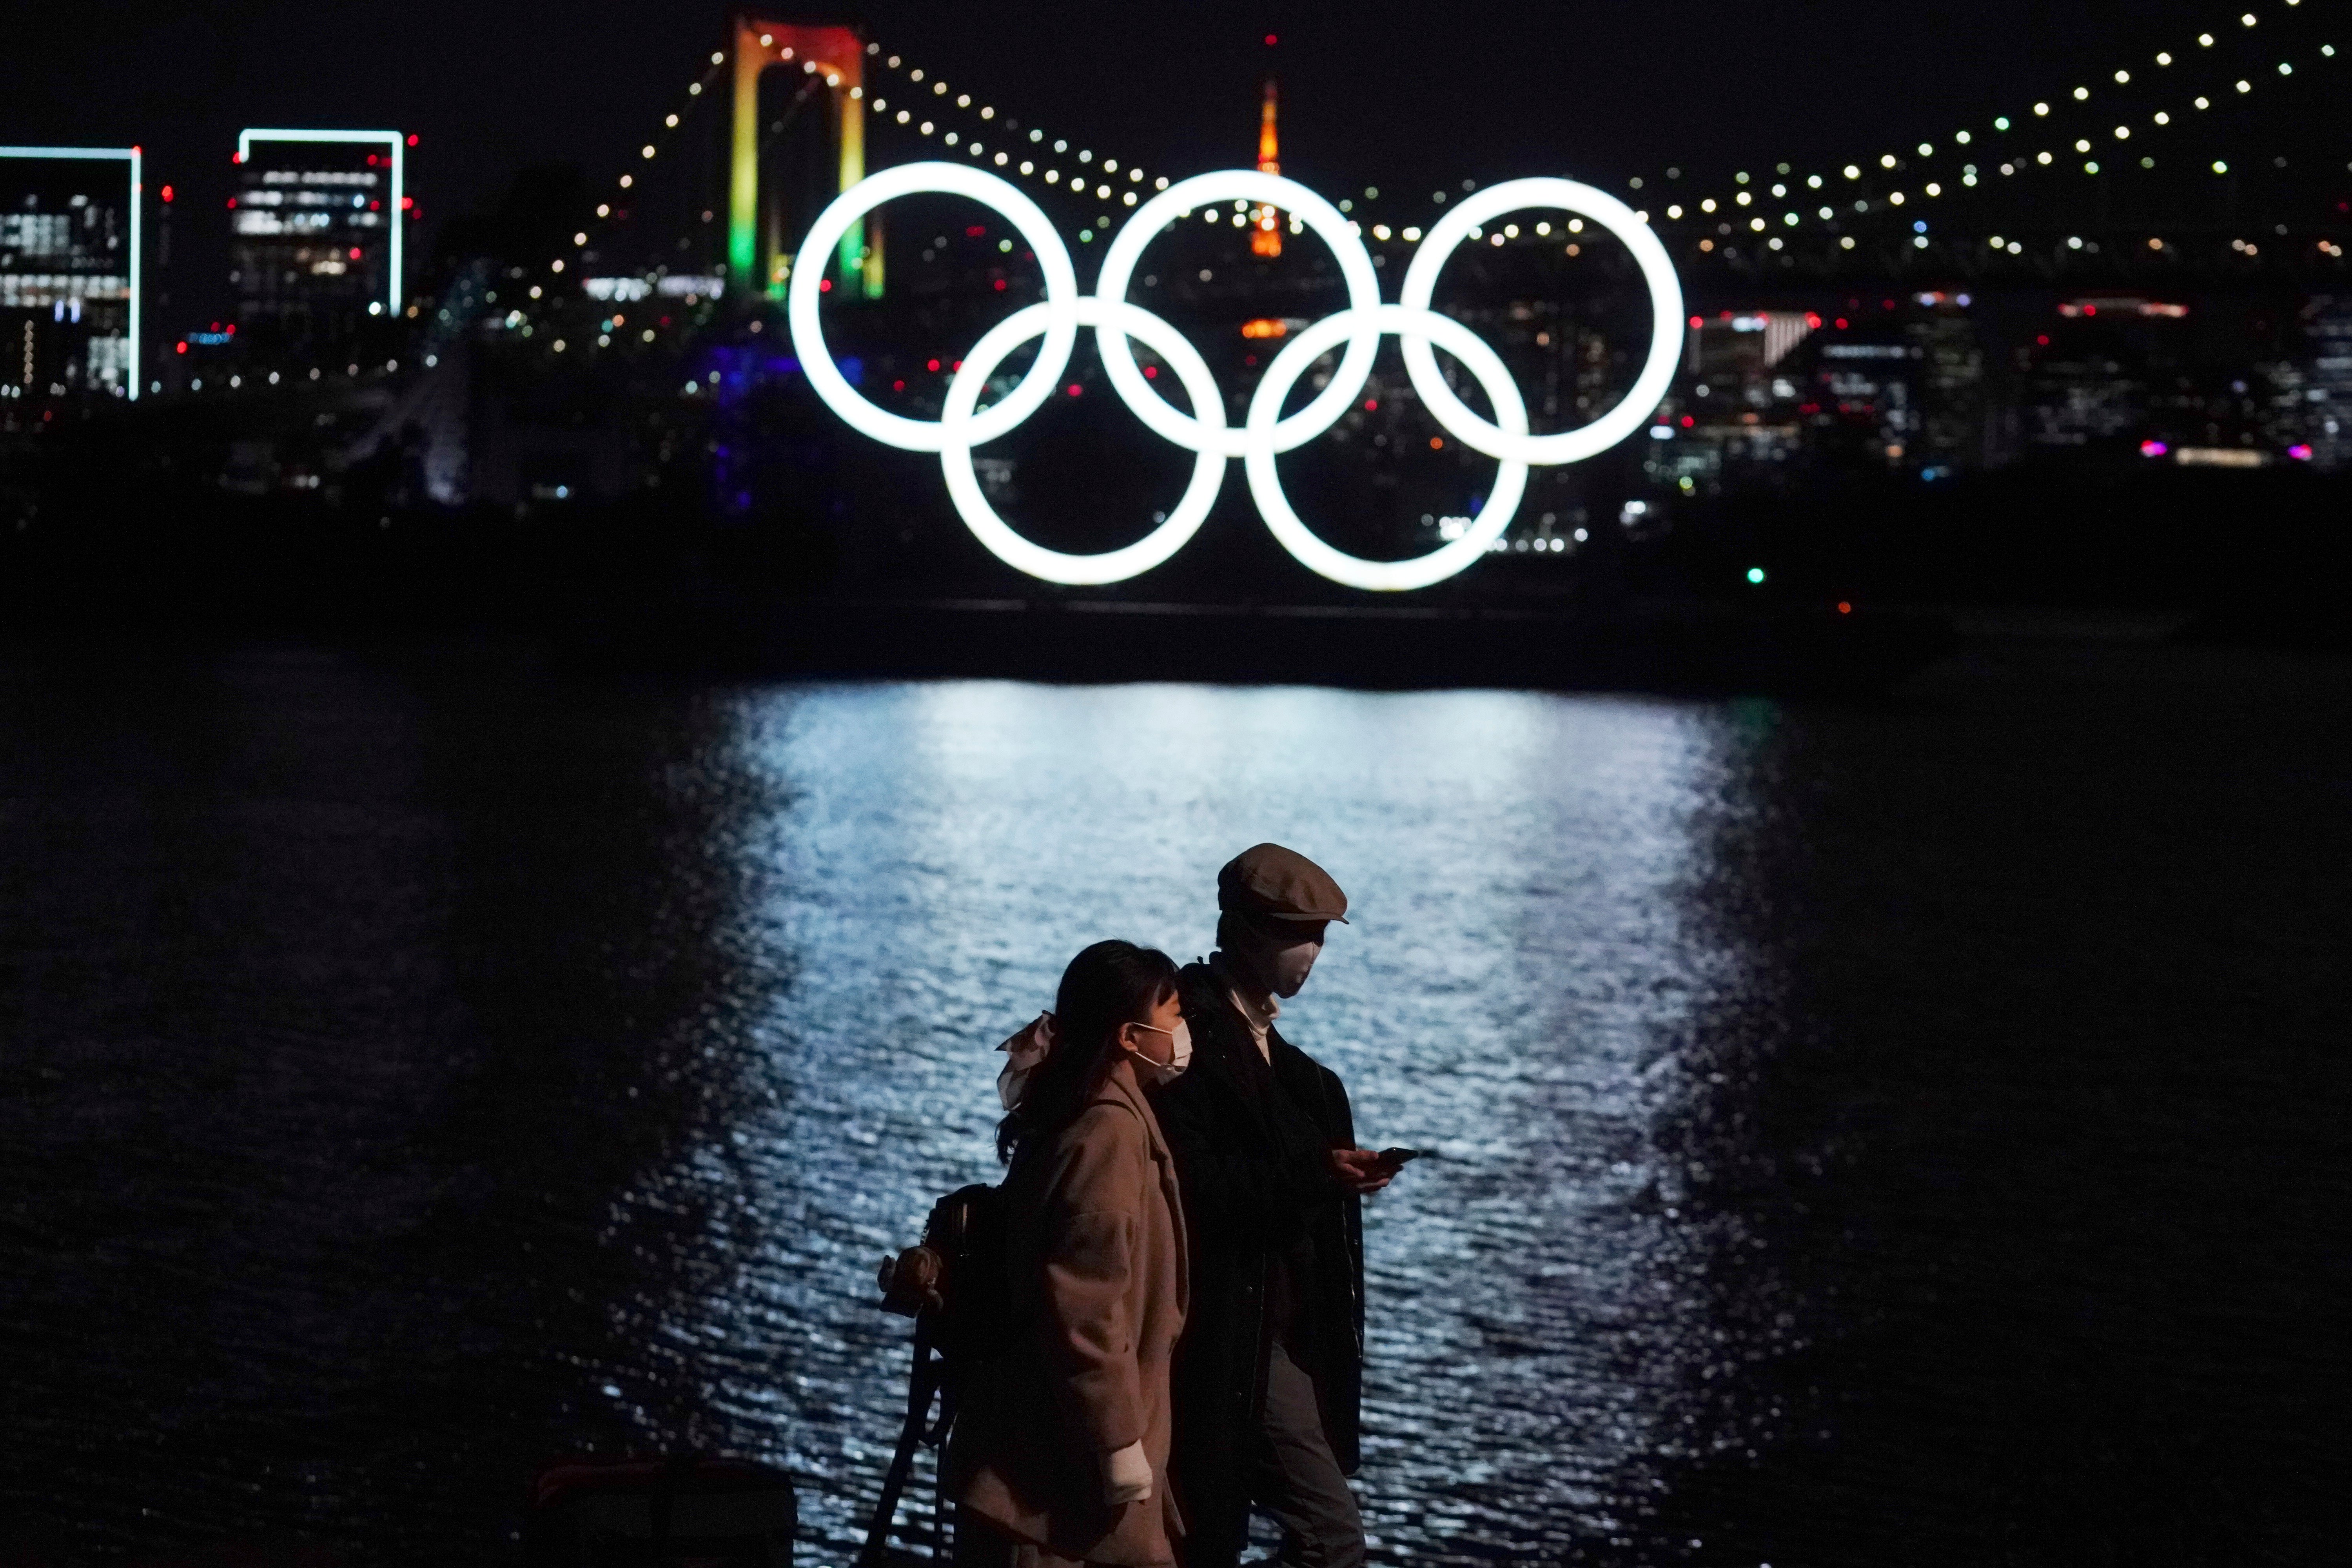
(1280,884)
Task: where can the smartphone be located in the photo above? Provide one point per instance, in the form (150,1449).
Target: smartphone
(1399,1156)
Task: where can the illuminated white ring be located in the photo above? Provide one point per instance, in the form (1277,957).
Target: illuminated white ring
(1665,330)
(1061,328)
(1418,327)
(960,432)
(1272,190)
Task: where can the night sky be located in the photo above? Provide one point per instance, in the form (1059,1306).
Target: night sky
(1396,95)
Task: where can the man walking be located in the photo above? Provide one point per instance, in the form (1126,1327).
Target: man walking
(1269,1372)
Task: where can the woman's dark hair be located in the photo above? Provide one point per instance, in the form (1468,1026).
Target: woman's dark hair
(1109,983)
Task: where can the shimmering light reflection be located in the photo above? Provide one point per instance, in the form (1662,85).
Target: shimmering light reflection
(1522,993)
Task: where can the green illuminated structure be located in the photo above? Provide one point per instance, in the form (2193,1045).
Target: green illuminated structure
(762,261)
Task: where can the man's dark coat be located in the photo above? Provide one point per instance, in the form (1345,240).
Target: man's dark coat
(1259,1195)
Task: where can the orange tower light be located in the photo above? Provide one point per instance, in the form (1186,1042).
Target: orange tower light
(1265,239)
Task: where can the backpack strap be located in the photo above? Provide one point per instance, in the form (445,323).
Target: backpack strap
(921,1386)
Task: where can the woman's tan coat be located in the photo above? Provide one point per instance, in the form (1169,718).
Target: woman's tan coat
(1096,1242)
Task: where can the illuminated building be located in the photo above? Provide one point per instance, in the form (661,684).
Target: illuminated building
(1266,237)
(2327,324)
(2112,371)
(833,61)
(316,235)
(1953,426)
(1740,398)
(70,270)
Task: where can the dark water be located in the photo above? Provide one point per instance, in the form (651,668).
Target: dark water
(1866,1134)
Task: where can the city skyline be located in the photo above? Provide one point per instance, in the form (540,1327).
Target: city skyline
(1962,279)
(493,94)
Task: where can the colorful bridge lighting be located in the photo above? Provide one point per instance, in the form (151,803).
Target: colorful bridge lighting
(836,56)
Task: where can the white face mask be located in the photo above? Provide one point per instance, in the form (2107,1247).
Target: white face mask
(1180,1053)
(1287,967)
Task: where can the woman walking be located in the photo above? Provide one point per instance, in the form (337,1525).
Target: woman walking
(1060,1455)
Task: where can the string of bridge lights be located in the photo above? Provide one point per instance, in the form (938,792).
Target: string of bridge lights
(627,180)
(1027,158)
(1035,157)
(1859,176)
(1734,208)
(923,101)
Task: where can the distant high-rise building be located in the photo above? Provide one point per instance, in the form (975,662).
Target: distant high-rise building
(68,272)
(2328,320)
(1951,428)
(1738,408)
(316,238)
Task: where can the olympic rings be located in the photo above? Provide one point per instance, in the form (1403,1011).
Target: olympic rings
(943,179)
(958,438)
(1272,190)
(1264,433)
(1419,329)
(1665,328)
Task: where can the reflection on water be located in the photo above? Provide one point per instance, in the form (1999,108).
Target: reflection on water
(1902,1133)
(1517,995)
(493,1073)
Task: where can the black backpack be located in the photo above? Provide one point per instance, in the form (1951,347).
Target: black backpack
(957,1287)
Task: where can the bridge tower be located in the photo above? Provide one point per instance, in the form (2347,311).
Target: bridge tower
(836,57)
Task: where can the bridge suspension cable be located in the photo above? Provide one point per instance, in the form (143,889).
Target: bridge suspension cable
(924,102)
(1905,185)
(2198,85)
(1861,187)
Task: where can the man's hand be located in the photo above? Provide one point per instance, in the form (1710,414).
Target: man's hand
(1126,1476)
(1362,1171)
